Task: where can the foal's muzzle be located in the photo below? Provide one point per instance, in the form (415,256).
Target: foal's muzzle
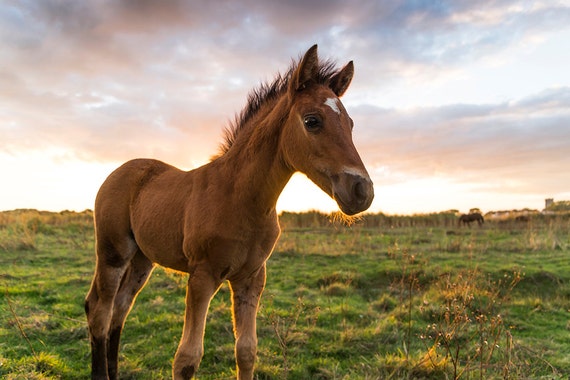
(352,192)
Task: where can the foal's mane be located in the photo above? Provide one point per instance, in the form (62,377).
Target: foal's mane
(266,93)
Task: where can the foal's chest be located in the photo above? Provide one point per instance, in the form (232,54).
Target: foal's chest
(232,256)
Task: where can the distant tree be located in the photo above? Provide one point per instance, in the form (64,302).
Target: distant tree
(475,210)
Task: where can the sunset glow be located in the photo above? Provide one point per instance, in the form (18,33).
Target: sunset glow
(455,105)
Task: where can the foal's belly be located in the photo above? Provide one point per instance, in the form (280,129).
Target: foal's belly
(167,255)
(225,257)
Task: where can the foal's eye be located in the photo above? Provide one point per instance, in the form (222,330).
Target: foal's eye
(312,123)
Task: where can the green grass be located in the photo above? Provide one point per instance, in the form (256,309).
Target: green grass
(393,299)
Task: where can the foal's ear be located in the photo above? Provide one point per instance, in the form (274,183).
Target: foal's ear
(306,71)
(341,81)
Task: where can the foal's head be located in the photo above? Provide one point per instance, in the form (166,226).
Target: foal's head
(317,136)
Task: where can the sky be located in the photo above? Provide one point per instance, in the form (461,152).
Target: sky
(456,104)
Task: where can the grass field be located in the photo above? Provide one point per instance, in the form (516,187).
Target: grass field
(388,298)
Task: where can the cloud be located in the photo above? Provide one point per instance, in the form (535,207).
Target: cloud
(109,80)
(525,139)
(410,42)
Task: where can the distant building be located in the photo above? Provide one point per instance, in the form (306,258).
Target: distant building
(548,202)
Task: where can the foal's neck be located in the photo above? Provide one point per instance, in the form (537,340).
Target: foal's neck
(255,161)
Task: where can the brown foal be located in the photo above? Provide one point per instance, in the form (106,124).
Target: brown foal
(218,222)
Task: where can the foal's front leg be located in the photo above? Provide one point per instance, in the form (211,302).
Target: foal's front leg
(245,298)
(201,288)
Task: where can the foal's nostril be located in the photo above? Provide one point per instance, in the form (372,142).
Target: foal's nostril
(359,191)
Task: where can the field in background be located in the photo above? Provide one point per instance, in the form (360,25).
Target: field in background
(389,297)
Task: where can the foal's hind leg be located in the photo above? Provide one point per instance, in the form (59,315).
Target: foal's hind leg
(99,309)
(134,279)
(245,299)
(112,264)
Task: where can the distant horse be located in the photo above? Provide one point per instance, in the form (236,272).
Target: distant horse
(467,219)
(218,222)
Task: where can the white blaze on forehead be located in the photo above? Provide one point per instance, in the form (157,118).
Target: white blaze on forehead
(333,104)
